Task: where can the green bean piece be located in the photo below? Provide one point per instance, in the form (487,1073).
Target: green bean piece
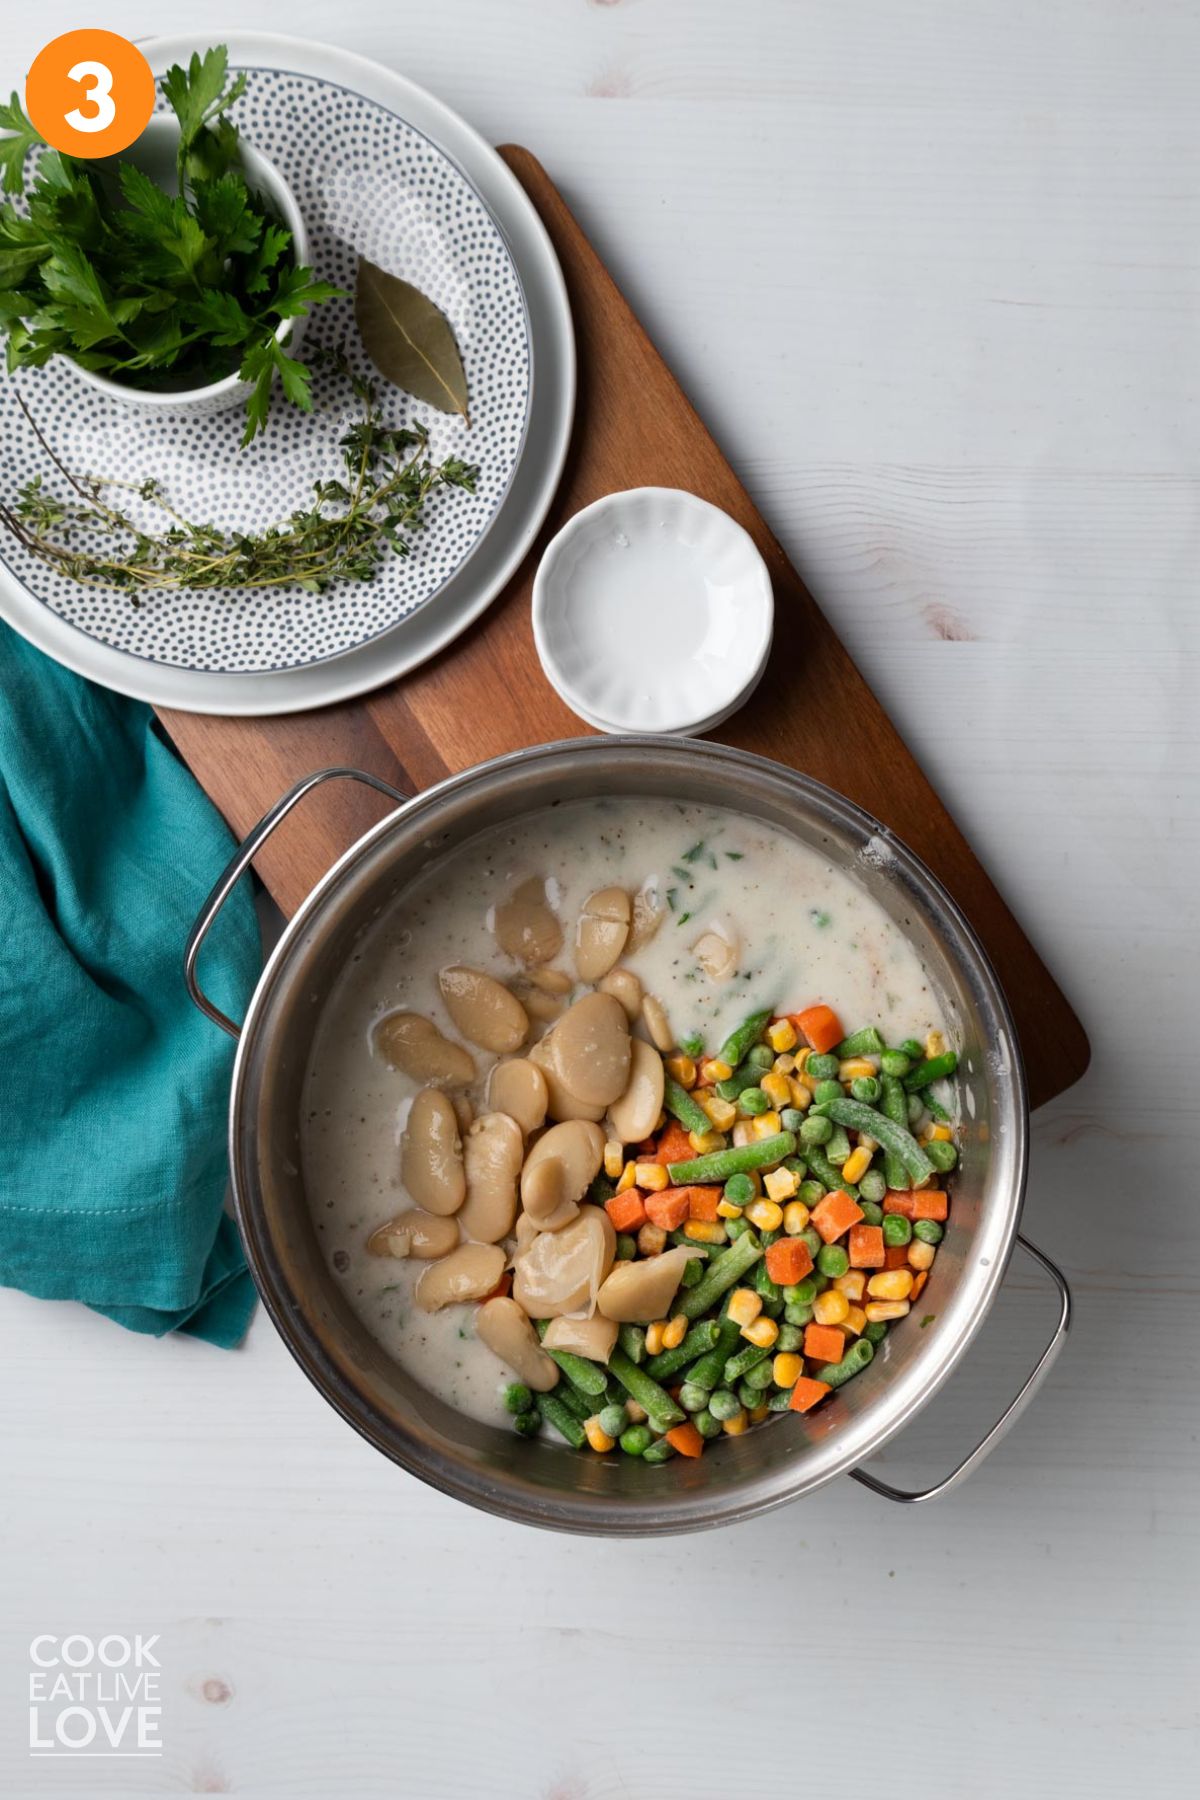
(626,1247)
(748,1076)
(699,1341)
(692,1045)
(913,1049)
(855,1360)
(636,1440)
(707,1372)
(742,1362)
(654,1400)
(770,1290)
(930,1068)
(719,1165)
(517,1397)
(895,1062)
(790,1338)
(821,1068)
(528,1424)
(896,1229)
(612,1420)
(857,1117)
(739,1190)
(838,1147)
(867,1088)
(832,1261)
(941,1154)
(894,1106)
(693,1399)
(632,1339)
(876,1331)
(721,1274)
(588,1377)
(660,1451)
(871,1210)
(601,1189)
(760,1376)
(796,1314)
(680,1105)
(867,1042)
(934,1107)
(873,1186)
(692,1272)
(929,1231)
(781,1401)
(724,1405)
(752,1101)
(706,1425)
(816,1130)
(556,1413)
(829,1176)
(575,1402)
(739,1042)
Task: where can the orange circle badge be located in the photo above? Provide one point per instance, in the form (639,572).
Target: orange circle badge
(90,93)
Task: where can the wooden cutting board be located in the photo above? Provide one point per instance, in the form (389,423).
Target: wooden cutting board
(486,693)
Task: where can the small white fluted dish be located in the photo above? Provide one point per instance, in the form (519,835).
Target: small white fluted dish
(653,612)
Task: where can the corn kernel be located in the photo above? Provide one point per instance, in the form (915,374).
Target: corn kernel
(799,1093)
(782,1035)
(705,1231)
(614,1160)
(776,1088)
(767,1215)
(734,1427)
(759,1413)
(890,1284)
(704,1142)
(867,1143)
(628,1177)
(742,1134)
(803,1052)
(786,1369)
(856,1164)
(654,1337)
(853,1284)
(712,1070)
(682,1068)
(599,1440)
(880,1311)
(744,1306)
(935,1044)
(762,1332)
(781,1184)
(652,1178)
(920,1256)
(795,1218)
(765,1126)
(941,1134)
(784,1065)
(854,1067)
(855,1321)
(722,1113)
(676,1331)
(831,1307)
(636,1414)
(727,1210)
(651,1240)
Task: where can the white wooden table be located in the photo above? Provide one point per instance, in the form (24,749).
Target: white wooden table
(931,274)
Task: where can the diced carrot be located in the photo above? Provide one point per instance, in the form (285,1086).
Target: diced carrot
(807,1392)
(821,1026)
(501,1289)
(703,1203)
(865,1245)
(824,1343)
(627,1211)
(789,1260)
(674,1145)
(896,1256)
(668,1209)
(686,1439)
(918,1284)
(929,1203)
(895,1202)
(836,1213)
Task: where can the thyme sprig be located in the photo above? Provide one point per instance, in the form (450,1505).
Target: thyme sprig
(352,525)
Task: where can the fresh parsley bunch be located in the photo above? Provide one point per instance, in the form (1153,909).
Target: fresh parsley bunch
(151,288)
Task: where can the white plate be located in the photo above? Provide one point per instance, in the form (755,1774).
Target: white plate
(469,591)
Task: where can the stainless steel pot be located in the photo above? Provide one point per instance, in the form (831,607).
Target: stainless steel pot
(541,1483)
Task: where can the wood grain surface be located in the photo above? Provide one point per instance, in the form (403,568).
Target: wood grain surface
(486,694)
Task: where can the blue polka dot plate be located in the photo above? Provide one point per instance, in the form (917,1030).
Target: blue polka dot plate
(355,144)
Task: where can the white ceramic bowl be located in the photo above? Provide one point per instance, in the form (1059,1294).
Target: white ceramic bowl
(154,153)
(653,612)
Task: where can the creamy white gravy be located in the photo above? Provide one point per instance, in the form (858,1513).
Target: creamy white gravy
(807,932)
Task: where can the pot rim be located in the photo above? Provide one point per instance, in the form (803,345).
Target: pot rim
(579,1513)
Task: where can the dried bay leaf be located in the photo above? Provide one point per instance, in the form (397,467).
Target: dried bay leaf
(409,340)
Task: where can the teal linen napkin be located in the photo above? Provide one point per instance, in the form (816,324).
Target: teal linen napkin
(113,1088)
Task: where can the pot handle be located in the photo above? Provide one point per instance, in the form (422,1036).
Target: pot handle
(1011,1412)
(238,864)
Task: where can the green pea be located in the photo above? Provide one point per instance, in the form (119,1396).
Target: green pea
(759,1376)
(660,1451)
(612,1420)
(865,1087)
(723,1404)
(871,1211)
(895,1062)
(929,1231)
(827,1090)
(915,1107)
(817,1129)
(627,1247)
(801,1293)
(736,1228)
(876,1331)
(517,1397)
(752,1101)
(693,1045)
(942,1155)
(795,1314)
(873,1186)
(761,1057)
(820,1282)
(747,1396)
(791,1118)
(832,1260)
(812,1237)
(913,1049)
(636,1440)
(821,1068)
(528,1424)
(811,1192)
(791,1337)
(693,1399)
(739,1190)
(796,1166)
(896,1229)
(706,1424)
